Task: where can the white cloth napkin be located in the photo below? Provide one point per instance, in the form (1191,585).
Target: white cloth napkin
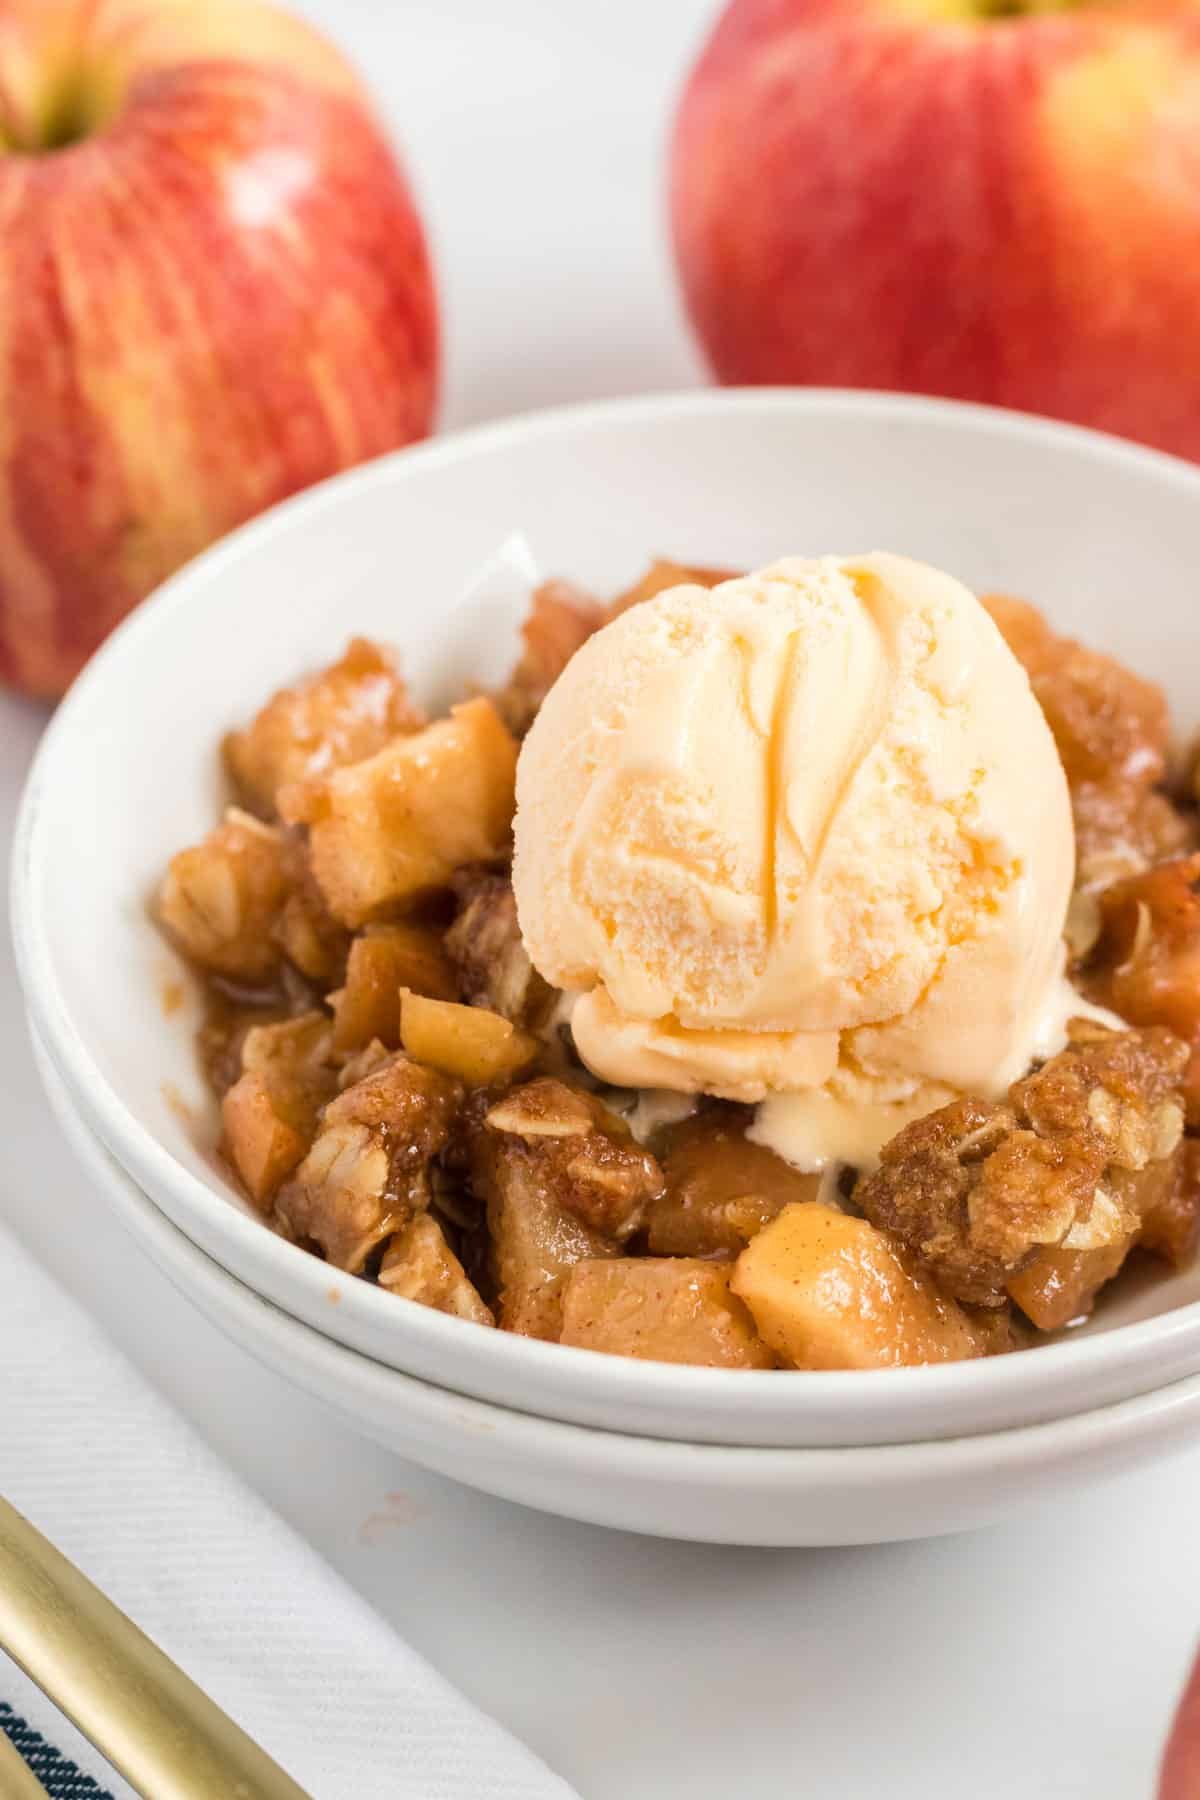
(103,1466)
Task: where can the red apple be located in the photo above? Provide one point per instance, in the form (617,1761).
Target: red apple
(1179,1777)
(214,290)
(1000,202)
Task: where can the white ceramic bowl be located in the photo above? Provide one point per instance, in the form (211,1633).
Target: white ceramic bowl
(1105,536)
(705,1492)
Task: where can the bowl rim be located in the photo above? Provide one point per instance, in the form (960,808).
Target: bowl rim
(593,1373)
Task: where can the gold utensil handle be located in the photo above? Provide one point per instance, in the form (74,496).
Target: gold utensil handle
(17,1779)
(153,1724)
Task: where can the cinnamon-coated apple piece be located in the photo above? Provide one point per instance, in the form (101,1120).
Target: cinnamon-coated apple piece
(269,1115)
(670,1309)
(1109,724)
(468,1042)
(368,1170)
(720,1188)
(418,1264)
(1146,963)
(1145,1206)
(564,1182)
(488,953)
(1171,1219)
(535,1242)
(827,1291)
(339,1198)
(313,941)
(1060,1286)
(220,900)
(583,1153)
(298,1057)
(262,1146)
(397,825)
(661,575)
(1112,731)
(339,715)
(561,617)
(1123,829)
(384,960)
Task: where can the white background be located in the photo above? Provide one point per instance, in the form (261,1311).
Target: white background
(1041,1658)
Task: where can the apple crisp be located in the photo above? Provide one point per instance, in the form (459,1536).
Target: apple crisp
(400,1093)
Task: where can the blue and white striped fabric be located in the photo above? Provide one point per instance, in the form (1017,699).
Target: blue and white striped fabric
(61,1778)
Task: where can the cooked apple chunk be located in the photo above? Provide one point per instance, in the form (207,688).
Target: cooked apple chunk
(367,1172)
(1061,1285)
(220,900)
(306,931)
(720,1188)
(1154,1206)
(416,1106)
(296,1046)
(827,1291)
(485,945)
(419,1264)
(362,1063)
(1146,962)
(1171,1217)
(398,824)
(270,1113)
(337,716)
(296,1059)
(1108,723)
(1112,730)
(561,618)
(339,1197)
(661,1309)
(1123,830)
(661,575)
(584,1152)
(535,1243)
(262,1146)
(382,961)
(562,1179)
(474,1045)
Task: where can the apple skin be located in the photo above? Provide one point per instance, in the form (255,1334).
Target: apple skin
(901,194)
(217,295)
(1179,1775)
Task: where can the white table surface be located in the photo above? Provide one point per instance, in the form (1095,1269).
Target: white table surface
(1041,1657)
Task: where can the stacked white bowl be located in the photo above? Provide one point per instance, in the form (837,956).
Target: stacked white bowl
(1105,537)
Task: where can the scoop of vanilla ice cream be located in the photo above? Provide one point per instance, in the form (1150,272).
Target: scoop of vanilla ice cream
(806,827)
